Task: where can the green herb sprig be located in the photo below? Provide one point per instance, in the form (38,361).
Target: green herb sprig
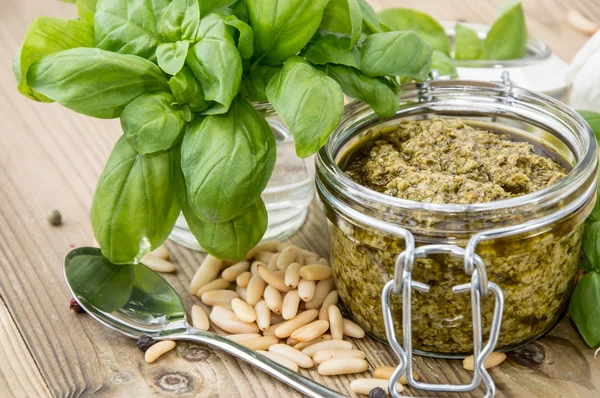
(181,76)
(584,307)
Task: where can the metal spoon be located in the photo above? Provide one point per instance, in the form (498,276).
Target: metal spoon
(136,301)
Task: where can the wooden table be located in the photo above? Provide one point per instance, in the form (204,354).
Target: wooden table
(50,158)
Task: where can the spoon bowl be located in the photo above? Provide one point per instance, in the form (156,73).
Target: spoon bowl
(135,301)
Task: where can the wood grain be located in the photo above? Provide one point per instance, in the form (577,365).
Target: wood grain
(50,158)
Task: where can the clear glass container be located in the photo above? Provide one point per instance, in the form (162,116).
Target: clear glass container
(540,69)
(530,245)
(287,195)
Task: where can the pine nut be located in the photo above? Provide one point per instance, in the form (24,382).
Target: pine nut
(199,318)
(264,257)
(207,272)
(343,366)
(272,264)
(322,289)
(325,355)
(291,301)
(254,267)
(288,327)
(581,23)
(336,323)
(270,331)
(292,275)
(311,331)
(364,386)
(269,246)
(161,252)
(327,345)
(242,292)
(241,337)
(385,372)
(224,305)
(158,349)
(287,257)
(303,344)
(316,272)
(263,315)
(281,246)
(280,360)
(255,289)
(291,342)
(226,320)
(273,279)
(330,299)
(244,311)
(217,284)
(292,354)
(158,264)
(260,343)
(231,273)
(323,261)
(299,259)
(306,289)
(311,258)
(351,329)
(218,296)
(243,279)
(273,299)
(494,359)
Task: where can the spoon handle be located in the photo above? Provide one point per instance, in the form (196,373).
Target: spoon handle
(289,377)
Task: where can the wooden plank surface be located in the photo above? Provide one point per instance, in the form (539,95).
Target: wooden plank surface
(51,158)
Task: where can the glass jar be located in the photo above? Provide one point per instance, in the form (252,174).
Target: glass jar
(529,245)
(288,193)
(540,69)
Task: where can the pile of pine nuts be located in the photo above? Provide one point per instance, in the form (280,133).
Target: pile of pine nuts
(280,301)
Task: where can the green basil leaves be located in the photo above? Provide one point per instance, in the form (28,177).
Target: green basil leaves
(227,161)
(70,77)
(343,17)
(308,101)
(584,308)
(467,44)
(134,207)
(507,39)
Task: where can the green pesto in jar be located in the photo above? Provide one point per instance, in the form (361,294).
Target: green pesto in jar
(450,161)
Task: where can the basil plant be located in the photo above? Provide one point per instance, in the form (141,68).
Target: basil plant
(182,75)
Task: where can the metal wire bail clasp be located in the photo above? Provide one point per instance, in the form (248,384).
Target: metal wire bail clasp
(402,285)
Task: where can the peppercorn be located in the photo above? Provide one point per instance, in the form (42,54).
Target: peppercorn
(145,342)
(377,392)
(75,307)
(54,218)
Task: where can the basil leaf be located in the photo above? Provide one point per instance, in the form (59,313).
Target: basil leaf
(593,119)
(208,6)
(86,10)
(329,49)
(396,54)
(217,65)
(129,27)
(584,308)
(372,91)
(152,124)
(444,64)
(309,102)
(245,42)
(227,161)
(507,38)
(180,21)
(591,243)
(371,22)
(187,90)
(171,56)
(92,276)
(429,29)
(94,82)
(467,44)
(281,29)
(255,85)
(47,36)
(226,240)
(343,17)
(134,208)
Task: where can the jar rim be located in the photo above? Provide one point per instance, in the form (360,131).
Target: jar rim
(330,173)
